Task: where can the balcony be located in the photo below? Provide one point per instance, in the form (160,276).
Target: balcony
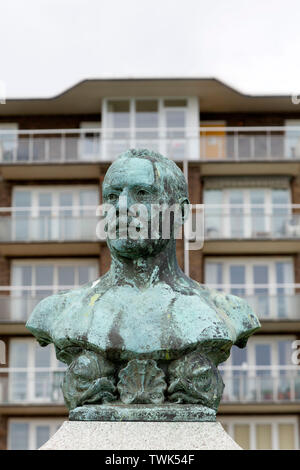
(255,221)
(278,302)
(38,387)
(100,145)
(48,230)
(254,226)
(243,385)
(278,308)
(18,302)
(261,384)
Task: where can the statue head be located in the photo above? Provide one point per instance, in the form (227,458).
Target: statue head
(136,184)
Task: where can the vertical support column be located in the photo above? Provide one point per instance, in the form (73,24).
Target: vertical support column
(195,195)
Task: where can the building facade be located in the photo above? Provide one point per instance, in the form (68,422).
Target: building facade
(241,156)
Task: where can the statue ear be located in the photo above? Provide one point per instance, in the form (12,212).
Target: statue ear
(185,209)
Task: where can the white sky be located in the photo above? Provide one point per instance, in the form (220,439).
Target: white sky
(47,46)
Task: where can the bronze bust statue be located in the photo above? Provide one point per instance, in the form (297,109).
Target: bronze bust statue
(143,333)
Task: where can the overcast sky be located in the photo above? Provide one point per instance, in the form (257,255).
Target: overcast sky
(47,46)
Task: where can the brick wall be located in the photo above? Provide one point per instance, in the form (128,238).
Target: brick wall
(3,432)
(295,187)
(297,269)
(5,194)
(4,274)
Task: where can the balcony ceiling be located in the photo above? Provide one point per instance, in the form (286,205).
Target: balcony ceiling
(86,96)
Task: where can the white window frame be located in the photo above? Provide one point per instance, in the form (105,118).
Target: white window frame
(246,214)
(191,127)
(11,126)
(96,144)
(30,370)
(55,209)
(249,262)
(55,262)
(249,367)
(252,421)
(53,423)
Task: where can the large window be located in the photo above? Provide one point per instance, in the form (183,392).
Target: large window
(262,372)
(60,213)
(292,139)
(31,434)
(265,433)
(159,124)
(247,213)
(36,374)
(8,141)
(266,283)
(33,280)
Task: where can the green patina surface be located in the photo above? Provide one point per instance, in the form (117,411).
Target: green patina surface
(144,331)
(121,412)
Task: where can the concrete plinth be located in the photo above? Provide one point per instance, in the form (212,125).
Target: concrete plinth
(96,435)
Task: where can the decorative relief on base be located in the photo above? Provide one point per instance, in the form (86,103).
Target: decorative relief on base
(141,381)
(88,379)
(195,379)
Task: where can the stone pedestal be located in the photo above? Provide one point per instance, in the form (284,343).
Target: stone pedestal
(147,435)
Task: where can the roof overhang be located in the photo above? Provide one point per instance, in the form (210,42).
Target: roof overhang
(85,97)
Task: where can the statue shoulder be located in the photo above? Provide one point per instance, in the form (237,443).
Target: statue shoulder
(240,314)
(48,312)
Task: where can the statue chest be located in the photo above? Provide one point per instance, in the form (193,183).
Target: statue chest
(158,323)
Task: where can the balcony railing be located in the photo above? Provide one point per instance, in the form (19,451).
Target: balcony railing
(258,221)
(242,385)
(31,386)
(38,224)
(269,302)
(29,224)
(261,384)
(204,143)
(18,302)
(280,302)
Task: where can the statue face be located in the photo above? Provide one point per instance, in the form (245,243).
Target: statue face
(129,183)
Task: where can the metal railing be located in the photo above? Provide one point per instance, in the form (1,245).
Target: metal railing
(257,221)
(31,386)
(260,384)
(30,224)
(203,143)
(18,302)
(236,221)
(269,302)
(242,385)
(279,302)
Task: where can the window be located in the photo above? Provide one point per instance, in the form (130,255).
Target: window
(31,434)
(266,283)
(90,141)
(38,279)
(60,213)
(292,138)
(155,123)
(265,433)
(247,213)
(262,372)
(213,142)
(8,141)
(36,375)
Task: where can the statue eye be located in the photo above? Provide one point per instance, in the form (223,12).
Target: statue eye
(112,197)
(142,193)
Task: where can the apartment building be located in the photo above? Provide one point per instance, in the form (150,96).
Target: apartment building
(241,156)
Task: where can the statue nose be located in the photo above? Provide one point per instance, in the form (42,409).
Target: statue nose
(124,203)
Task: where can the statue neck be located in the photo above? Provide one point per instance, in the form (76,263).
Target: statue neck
(144,272)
